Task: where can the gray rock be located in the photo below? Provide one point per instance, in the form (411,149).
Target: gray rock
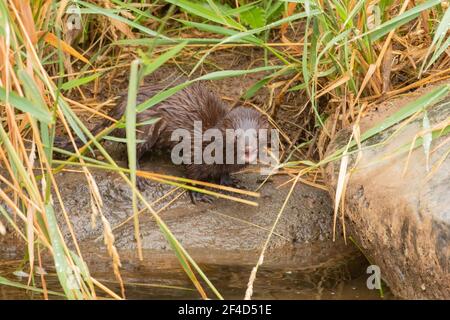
(401,218)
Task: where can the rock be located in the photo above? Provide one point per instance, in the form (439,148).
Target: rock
(401,219)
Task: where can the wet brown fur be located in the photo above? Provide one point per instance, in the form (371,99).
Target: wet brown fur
(196,102)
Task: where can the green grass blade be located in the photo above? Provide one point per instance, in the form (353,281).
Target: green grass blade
(136,10)
(161,96)
(77,126)
(120,140)
(79,82)
(272,25)
(400,20)
(130,128)
(439,36)
(151,66)
(17,164)
(438,53)
(219,30)
(63,269)
(163,42)
(112,15)
(25,105)
(411,108)
(204,12)
(6,282)
(234,73)
(408,110)
(254,88)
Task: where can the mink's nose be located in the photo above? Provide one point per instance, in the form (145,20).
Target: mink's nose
(250,154)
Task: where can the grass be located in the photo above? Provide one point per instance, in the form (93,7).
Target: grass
(343,56)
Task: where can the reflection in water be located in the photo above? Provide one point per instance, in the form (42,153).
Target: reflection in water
(164,279)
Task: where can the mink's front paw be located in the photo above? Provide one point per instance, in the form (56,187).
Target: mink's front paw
(228,181)
(197,197)
(141,183)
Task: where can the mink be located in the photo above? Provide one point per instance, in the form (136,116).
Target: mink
(196,102)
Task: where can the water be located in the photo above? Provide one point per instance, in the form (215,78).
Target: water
(285,275)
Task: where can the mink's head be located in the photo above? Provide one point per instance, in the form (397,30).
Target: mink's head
(245,125)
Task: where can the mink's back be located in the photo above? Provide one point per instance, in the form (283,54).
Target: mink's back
(194,103)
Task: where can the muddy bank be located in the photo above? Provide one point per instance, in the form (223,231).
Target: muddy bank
(223,225)
(397,210)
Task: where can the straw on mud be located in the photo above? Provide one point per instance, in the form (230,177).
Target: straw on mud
(153,203)
(205,191)
(198,182)
(304,181)
(249,291)
(170,180)
(247,222)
